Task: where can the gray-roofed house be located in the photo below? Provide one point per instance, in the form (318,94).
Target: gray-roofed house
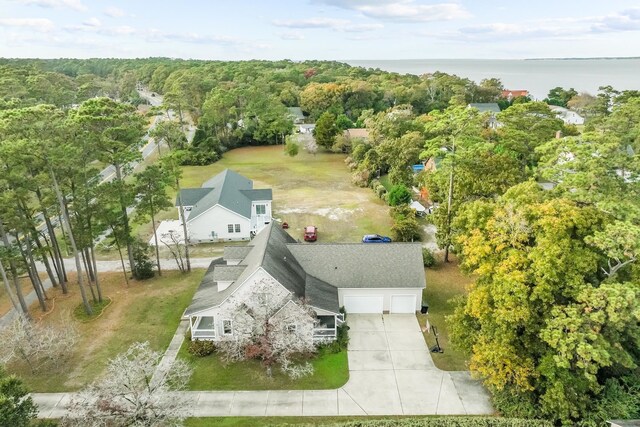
(296,114)
(488,107)
(225,208)
(362,278)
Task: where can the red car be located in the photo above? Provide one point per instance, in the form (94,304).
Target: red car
(310,233)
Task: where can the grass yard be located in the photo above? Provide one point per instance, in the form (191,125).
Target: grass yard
(209,373)
(444,282)
(291,421)
(148,310)
(309,189)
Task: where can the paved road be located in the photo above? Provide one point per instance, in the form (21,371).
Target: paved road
(391,373)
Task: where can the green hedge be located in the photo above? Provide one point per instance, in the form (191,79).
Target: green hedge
(445,422)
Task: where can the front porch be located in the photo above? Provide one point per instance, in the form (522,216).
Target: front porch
(327,327)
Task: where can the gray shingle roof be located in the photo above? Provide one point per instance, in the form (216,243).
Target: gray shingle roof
(191,196)
(363,265)
(315,271)
(227,273)
(483,107)
(236,252)
(229,189)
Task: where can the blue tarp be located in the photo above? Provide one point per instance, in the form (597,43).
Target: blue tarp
(417,168)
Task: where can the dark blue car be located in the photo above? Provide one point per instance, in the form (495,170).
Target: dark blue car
(375,238)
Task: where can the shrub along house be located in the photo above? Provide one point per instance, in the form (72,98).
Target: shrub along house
(362,278)
(225,208)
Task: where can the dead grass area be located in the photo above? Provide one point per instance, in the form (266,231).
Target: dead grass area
(147,310)
(5,301)
(309,189)
(444,282)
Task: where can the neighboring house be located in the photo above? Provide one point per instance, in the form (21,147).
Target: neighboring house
(362,278)
(357,133)
(225,208)
(567,116)
(295,113)
(509,95)
(306,128)
(488,107)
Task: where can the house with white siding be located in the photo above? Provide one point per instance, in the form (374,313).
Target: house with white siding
(362,278)
(225,208)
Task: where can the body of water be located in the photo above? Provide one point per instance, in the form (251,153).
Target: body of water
(537,76)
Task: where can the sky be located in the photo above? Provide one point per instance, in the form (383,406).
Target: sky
(320,29)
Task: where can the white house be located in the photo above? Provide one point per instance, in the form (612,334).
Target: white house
(567,116)
(488,107)
(361,277)
(225,208)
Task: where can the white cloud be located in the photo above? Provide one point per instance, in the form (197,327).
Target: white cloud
(406,11)
(573,28)
(291,36)
(92,22)
(38,24)
(114,12)
(330,23)
(68,4)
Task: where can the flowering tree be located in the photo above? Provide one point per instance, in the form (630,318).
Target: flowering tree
(133,392)
(269,326)
(35,343)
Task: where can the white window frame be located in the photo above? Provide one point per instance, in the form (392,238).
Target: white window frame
(237,228)
(224,332)
(292,328)
(263,208)
(229,228)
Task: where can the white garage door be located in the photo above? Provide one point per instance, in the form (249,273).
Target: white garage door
(363,303)
(403,303)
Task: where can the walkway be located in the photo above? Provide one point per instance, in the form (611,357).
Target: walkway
(391,373)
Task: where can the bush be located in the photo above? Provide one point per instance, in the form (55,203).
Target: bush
(399,195)
(428,259)
(381,191)
(201,348)
(142,265)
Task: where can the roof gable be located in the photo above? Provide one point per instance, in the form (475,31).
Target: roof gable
(228,189)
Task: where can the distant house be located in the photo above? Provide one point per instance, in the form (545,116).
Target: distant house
(357,133)
(509,95)
(490,107)
(306,128)
(225,208)
(567,116)
(295,113)
(363,278)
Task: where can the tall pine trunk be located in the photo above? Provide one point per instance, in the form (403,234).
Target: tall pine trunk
(184,227)
(125,220)
(450,201)
(72,240)
(14,271)
(155,237)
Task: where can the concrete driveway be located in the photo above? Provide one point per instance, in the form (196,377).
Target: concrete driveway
(391,371)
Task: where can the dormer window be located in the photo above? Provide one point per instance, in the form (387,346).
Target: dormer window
(261,209)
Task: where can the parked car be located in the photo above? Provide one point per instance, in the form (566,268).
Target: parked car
(375,238)
(310,233)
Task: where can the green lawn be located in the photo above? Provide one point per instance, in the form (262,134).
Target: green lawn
(149,310)
(309,189)
(272,421)
(444,282)
(209,373)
